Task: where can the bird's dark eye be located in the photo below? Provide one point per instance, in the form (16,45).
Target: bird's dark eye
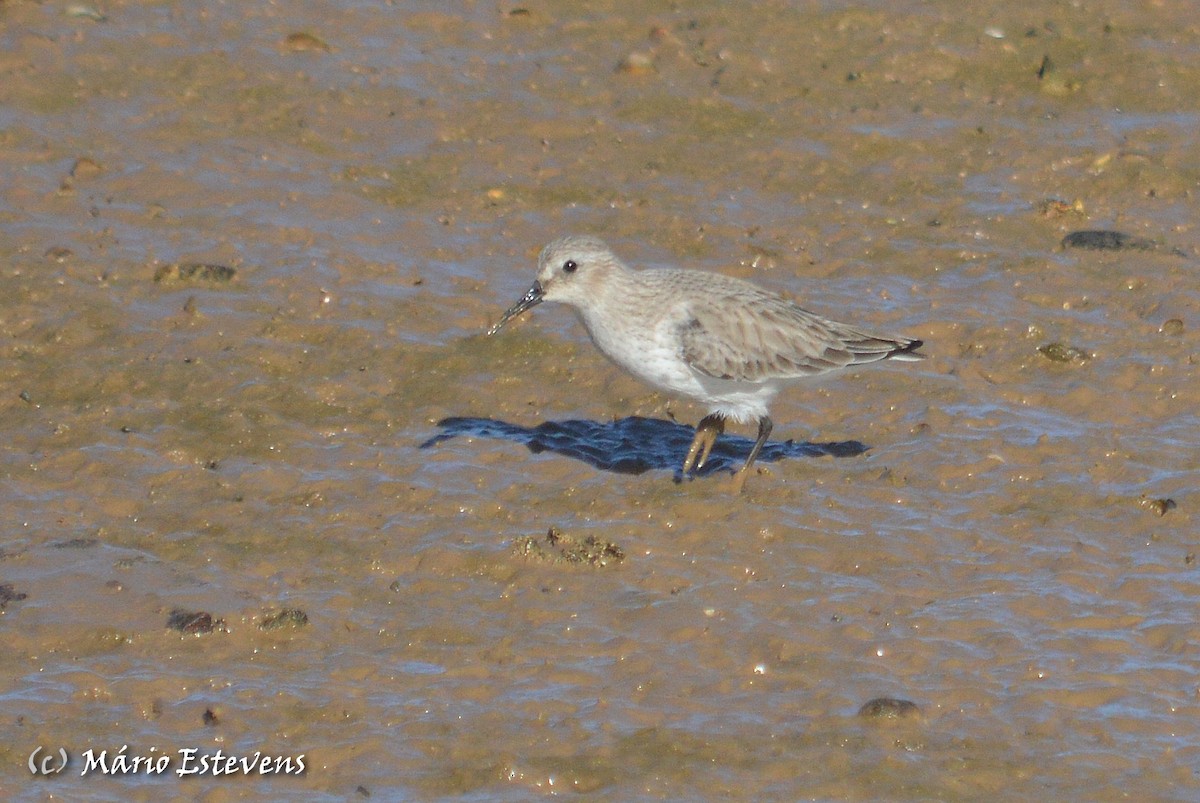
(569,266)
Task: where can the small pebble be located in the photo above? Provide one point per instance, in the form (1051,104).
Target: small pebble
(301,42)
(636,64)
(889,708)
(86,167)
(84,12)
(193,622)
(1172,326)
(1158,507)
(1061,352)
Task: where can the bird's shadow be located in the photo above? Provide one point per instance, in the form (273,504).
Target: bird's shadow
(634,445)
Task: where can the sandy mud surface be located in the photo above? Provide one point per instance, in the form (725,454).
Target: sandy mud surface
(248,252)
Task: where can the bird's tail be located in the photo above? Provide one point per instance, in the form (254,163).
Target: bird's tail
(873,348)
(906,351)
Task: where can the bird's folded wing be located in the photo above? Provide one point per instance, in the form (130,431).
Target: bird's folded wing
(771,338)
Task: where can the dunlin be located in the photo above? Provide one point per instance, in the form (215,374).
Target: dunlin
(719,340)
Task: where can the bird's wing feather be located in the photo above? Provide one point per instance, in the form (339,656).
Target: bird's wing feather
(768,337)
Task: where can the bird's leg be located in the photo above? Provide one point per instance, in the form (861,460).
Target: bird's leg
(707,432)
(764,432)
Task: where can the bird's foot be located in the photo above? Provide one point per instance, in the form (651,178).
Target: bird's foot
(764,432)
(707,432)
(738,483)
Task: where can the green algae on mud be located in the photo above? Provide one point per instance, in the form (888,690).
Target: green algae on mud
(194,272)
(285,618)
(557,547)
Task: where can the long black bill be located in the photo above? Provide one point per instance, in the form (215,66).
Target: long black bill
(530,299)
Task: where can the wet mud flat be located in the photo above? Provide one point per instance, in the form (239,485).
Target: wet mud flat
(270,490)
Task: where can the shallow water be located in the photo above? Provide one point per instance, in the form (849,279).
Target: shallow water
(1002,554)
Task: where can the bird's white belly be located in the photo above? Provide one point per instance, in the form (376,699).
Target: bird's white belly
(654,356)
